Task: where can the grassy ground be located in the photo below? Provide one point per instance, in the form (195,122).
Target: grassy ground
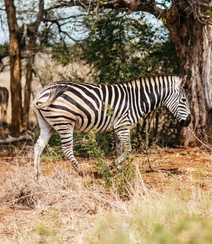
(172,204)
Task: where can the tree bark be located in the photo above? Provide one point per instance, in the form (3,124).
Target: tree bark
(30,46)
(27,94)
(15,68)
(192,38)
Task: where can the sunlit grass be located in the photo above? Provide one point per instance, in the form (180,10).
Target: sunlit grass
(174,216)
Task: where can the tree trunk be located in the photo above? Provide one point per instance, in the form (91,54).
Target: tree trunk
(30,46)
(192,39)
(15,68)
(30,34)
(27,94)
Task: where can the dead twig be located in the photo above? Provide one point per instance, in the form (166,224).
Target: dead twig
(11,139)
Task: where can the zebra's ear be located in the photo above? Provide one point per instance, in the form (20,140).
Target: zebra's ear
(183,82)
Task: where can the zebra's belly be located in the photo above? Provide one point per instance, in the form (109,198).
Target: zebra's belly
(86,125)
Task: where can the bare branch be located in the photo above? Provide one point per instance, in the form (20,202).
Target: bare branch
(45,19)
(126,5)
(61,4)
(11,139)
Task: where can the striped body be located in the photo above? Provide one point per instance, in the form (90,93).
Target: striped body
(4,97)
(66,106)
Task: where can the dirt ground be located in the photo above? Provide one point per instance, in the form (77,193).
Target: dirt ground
(160,168)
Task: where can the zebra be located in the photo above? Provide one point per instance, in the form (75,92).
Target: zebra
(65,106)
(4,97)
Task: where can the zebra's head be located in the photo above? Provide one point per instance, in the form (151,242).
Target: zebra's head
(178,105)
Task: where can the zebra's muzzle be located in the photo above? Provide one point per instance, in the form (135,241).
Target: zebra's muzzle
(186,122)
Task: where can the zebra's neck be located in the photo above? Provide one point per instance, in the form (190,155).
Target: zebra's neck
(148,93)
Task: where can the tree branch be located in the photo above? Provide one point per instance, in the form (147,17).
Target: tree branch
(126,5)
(197,7)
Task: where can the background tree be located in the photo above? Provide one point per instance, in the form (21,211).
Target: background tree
(22,40)
(15,67)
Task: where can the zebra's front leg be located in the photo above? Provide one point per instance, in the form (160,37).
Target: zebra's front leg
(67,147)
(123,146)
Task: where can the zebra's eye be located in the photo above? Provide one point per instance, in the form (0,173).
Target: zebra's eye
(183,100)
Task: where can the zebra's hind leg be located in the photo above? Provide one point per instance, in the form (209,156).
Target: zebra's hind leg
(66,135)
(46,132)
(123,146)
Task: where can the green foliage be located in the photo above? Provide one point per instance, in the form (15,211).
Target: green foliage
(122,181)
(93,145)
(161,59)
(158,127)
(122,46)
(93,150)
(114,48)
(96,146)
(208,12)
(85,145)
(4,48)
(118,180)
(53,150)
(59,55)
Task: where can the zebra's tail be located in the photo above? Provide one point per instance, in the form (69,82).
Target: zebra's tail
(54,92)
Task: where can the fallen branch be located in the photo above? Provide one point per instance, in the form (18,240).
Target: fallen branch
(11,139)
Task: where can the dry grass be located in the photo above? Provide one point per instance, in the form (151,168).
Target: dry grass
(63,208)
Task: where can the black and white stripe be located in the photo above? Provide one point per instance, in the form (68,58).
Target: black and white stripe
(66,106)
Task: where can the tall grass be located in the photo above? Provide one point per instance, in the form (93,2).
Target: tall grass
(62,207)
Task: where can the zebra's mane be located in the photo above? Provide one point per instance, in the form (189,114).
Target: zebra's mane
(157,75)
(152,78)
(58,87)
